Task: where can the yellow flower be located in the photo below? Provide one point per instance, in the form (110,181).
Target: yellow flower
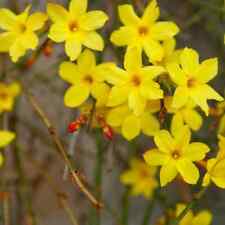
(130,124)
(216,167)
(86,78)
(76,27)
(144,32)
(221,112)
(5,138)
(19,35)
(7,96)
(135,84)
(176,155)
(140,177)
(191,79)
(204,217)
(186,115)
(170,54)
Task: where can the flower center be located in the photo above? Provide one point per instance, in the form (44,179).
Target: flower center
(3,96)
(144,173)
(22,28)
(136,81)
(88,79)
(176,154)
(191,82)
(73,26)
(143,30)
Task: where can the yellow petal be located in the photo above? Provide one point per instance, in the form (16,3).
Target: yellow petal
(22,17)
(69,72)
(131,127)
(154,157)
(182,137)
(1,159)
(102,71)
(128,177)
(36,21)
(136,103)
(14,89)
(73,48)
(203,218)
(116,116)
(116,76)
(164,141)
(127,15)
(168,172)
(94,41)
(58,32)
(100,92)
(123,36)
(29,40)
(151,90)
(169,46)
(151,13)
(86,61)
(57,13)
(176,74)
(207,70)
(180,97)
(219,182)
(153,50)
(7,19)
(153,106)
(6,39)
(164,30)
(189,60)
(118,95)
(196,151)
(93,20)
(177,123)
(133,59)
(76,95)
(149,124)
(16,51)
(193,119)
(5,138)
(188,171)
(78,7)
(151,72)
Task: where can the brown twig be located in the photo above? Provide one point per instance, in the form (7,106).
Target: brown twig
(75,178)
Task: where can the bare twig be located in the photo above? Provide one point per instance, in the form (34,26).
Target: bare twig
(74,174)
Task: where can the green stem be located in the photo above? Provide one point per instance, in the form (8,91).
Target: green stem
(125,206)
(190,206)
(149,211)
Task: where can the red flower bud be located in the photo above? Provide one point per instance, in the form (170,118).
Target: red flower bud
(108,132)
(73,127)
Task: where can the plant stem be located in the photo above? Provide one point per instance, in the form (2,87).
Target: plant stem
(125,205)
(149,211)
(190,206)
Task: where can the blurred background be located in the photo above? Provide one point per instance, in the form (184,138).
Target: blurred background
(35,177)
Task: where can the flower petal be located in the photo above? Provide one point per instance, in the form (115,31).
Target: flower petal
(118,95)
(168,172)
(6,39)
(151,72)
(86,61)
(57,13)
(116,76)
(116,116)
(196,151)
(207,70)
(180,97)
(7,19)
(136,103)
(29,40)
(93,20)
(127,15)
(78,7)
(16,51)
(133,59)
(193,119)
(164,141)
(153,50)
(68,71)
(151,13)
(94,41)
(5,138)
(177,123)
(73,48)
(131,127)
(188,171)
(202,218)
(177,75)
(123,36)
(149,124)
(36,21)
(164,30)
(76,95)
(58,32)
(189,60)
(154,157)
(182,137)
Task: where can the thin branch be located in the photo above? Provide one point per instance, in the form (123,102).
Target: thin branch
(61,150)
